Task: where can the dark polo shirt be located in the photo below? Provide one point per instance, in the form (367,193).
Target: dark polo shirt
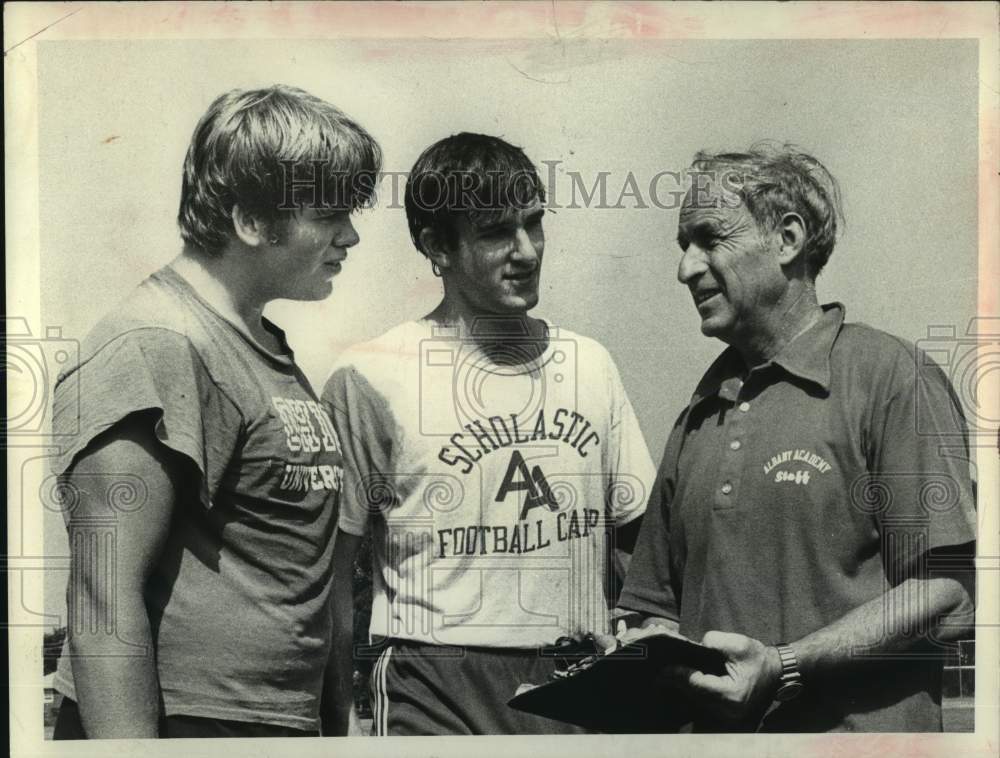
(789,495)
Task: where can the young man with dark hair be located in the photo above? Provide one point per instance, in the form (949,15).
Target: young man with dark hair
(200,606)
(495,458)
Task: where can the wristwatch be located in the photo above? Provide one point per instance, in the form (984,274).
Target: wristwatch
(790,685)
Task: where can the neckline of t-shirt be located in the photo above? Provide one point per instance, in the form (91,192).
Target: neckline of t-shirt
(488,364)
(286,359)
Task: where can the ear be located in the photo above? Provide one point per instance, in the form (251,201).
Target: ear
(793,238)
(249,230)
(435,249)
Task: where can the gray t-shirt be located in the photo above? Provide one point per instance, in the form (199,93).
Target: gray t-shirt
(239,601)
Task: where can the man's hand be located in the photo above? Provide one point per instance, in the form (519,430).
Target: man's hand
(741,697)
(624,634)
(337,702)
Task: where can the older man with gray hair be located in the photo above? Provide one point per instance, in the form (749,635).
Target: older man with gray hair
(804,520)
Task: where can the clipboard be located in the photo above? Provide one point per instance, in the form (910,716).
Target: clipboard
(619,693)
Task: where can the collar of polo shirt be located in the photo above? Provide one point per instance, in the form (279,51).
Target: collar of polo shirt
(807,357)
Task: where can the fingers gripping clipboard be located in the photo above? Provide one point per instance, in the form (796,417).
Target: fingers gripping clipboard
(622,692)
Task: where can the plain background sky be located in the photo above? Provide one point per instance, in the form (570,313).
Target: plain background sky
(895,121)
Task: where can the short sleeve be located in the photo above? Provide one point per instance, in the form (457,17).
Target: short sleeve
(148,369)
(631,472)
(921,486)
(652,587)
(367,445)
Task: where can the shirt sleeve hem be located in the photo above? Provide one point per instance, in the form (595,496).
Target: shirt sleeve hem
(629,516)
(646,606)
(352,527)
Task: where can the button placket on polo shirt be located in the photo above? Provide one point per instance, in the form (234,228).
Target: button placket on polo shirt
(727,486)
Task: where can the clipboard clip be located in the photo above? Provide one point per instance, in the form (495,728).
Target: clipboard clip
(573,655)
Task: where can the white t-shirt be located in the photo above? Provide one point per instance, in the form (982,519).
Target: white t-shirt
(492,489)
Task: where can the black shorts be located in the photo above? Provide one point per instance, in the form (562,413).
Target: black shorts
(421,689)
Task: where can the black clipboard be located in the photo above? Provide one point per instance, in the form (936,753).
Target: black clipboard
(620,693)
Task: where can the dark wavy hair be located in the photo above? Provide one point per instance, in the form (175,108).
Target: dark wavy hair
(272,151)
(481,178)
(772,180)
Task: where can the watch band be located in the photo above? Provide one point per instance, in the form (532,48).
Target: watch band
(790,685)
